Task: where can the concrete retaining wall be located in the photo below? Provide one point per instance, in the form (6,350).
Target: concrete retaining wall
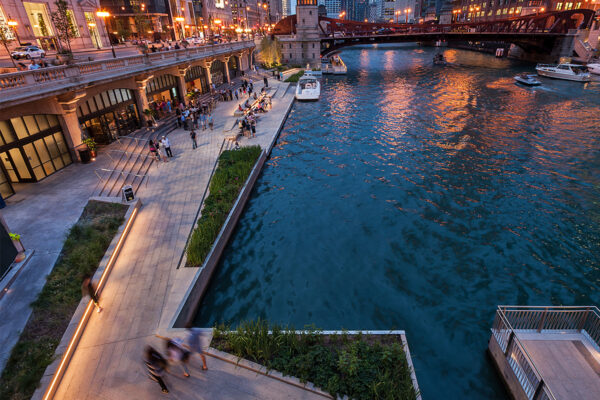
(508,376)
(188,309)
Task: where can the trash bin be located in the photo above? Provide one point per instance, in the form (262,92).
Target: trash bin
(127,193)
(84,155)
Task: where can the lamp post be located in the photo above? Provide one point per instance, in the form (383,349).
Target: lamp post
(342,14)
(181,20)
(396,13)
(406,12)
(104,15)
(13,25)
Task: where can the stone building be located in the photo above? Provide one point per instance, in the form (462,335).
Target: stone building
(303,47)
(34,23)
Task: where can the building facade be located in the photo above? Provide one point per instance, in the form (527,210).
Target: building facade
(34,24)
(41,129)
(502,9)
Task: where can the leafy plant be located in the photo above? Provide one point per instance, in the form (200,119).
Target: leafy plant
(270,51)
(90,143)
(6,36)
(353,365)
(61,18)
(229,178)
(295,77)
(82,251)
(15,236)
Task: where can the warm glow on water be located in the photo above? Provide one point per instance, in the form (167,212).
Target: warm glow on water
(419,198)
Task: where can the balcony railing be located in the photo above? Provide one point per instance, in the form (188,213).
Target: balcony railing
(584,320)
(78,73)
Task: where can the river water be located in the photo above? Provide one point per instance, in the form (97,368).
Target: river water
(419,198)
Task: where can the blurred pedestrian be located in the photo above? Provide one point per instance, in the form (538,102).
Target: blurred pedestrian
(193,137)
(87,289)
(192,340)
(177,354)
(266,81)
(210,121)
(155,366)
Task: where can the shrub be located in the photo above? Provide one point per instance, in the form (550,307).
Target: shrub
(233,169)
(82,251)
(358,366)
(295,77)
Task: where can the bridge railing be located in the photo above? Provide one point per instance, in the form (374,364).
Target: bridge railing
(78,73)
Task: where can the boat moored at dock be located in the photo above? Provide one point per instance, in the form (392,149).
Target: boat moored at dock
(569,72)
(333,65)
(527,79)
(309,88)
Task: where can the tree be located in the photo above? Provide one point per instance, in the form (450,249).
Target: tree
(6,37)
(140,21)
(270,52)
(123,29)
(65,31)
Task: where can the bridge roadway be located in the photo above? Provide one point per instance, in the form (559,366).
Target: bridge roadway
(21,87)
(529,41)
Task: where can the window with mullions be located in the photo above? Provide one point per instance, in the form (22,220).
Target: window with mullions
(23,127)
(161,83)
(104,100)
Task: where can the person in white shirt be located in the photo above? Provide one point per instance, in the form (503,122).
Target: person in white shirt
(33,66)
(167,145)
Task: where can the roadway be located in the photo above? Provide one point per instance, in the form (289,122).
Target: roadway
(81,55)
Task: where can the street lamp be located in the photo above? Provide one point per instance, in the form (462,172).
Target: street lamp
(181,19)
(406,12)
(104,15)
(342,14)
(396,14)
(13,25)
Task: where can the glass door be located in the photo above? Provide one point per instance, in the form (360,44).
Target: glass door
(15,165)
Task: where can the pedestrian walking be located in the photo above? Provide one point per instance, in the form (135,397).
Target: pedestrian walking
(167,145)
(177,353)
(161,151)
(87,289)
(266,81)
(253,127)
(236,94)
(153,149)
(192,340)
(193,137)
(210,121)
(155,366)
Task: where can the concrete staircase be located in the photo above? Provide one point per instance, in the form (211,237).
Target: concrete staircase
(131,160)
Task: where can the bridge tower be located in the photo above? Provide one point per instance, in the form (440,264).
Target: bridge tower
(305,48)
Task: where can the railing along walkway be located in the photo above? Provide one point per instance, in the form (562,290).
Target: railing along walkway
(14,85)
(512,320)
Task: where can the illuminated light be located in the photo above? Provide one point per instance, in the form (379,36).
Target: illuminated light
(11,22)
(218,21)
(205,26)
(179,19)
(92,24)
(115,33)
(103,14)
(187,27)
(542,9)
(86,314)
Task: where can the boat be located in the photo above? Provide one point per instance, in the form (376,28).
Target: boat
(594,68)
(569,72)
(438,59)
(527,79)
(333,65)
(308,88)
(312,72)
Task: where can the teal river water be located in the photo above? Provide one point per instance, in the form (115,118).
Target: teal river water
(419,198)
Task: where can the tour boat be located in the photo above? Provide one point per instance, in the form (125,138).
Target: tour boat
(569,72)
(308,88)
(527,79)
(594,68)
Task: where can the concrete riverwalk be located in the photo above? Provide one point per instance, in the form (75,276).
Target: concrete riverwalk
(145,287)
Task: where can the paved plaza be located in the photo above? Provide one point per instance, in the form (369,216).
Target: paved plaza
(145,287)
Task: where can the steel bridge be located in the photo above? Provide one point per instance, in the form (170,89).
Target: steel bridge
(537,33)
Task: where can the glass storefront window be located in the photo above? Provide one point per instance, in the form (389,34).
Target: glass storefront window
(31,124)
(39,19)
(93,29)
(19,127)
(33,161)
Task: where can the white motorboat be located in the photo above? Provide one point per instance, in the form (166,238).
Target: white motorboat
(569,72)
(312,72)
(309,88)
(594,68)
(527,79)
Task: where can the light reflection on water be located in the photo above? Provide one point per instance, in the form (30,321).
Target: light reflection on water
(417,197)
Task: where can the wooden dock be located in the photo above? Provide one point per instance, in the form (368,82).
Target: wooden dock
(548,353)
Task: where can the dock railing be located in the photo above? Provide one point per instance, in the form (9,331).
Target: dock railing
(512,319)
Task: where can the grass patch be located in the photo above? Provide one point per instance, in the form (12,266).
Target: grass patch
(82,251)
(295,77)
(229,178)
(360,366)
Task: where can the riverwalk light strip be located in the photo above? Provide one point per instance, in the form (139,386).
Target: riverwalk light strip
(57,376)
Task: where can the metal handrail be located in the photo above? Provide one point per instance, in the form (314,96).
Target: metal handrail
(560,318)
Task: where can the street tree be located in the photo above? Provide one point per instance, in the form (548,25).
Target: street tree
(6,37)
(140,20)
(65,31)
(270,51)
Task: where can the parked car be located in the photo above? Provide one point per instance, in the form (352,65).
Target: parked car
(27,52)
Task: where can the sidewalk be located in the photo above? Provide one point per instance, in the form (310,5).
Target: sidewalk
(145,288)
